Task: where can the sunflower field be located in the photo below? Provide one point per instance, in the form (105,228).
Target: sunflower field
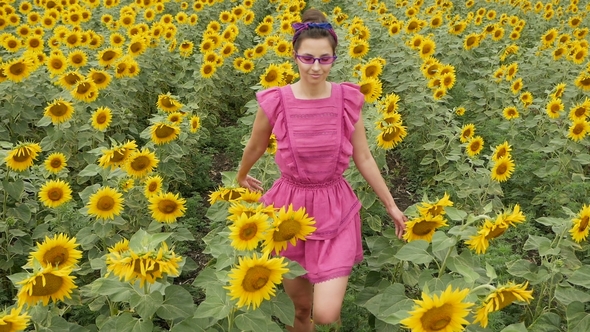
(114,217)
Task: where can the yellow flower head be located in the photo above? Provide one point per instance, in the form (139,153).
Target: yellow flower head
(467,132)
(55,162)
(288,226)
(59,111)
(502,297)
(435,209)
(153,185)
(167,207)
(490,230)
(55,193)
(118,155)
(162,133)
(22,156)
(106,203)
(141,163)
(502,169)
(578,130)
(101,118)
(14,321)
(47,285)
(423,227)
(580,229)
(248,230)
(58,252)
(168,103)
(474,146)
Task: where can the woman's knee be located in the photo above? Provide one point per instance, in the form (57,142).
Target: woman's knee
(326,316)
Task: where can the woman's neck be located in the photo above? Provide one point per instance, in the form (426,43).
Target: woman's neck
(302,91)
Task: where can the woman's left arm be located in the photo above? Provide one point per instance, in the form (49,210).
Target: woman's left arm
(366,164)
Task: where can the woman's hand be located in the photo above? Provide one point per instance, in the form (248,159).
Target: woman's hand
(251,183)
(399,220)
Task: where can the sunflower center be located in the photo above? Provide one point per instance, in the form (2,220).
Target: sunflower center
(167,206)
(58,109)
(255,278)
(470,41)
(583,223)
(359,49)
(118,156)
(23,155)
(56,256)
(271,76)
(135,47)
(554,108)
(287,230)
(18,68)
(55,163)
(495,232)
(153,186)
(585,81)
(164,131)
(83,88)
(140,163)
(502,152)
(248,231)
(78,59)
(578,129)
(231,195)
(109,55)
(55,194)
(72,78)
(101,118)
(437,319)
(474,146)
(52,285)
(105,203)
(371,71)
(423,228)
(504,299)
(502,168)
(7,327)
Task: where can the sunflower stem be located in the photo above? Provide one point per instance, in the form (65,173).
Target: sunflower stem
(444,263)
(4,204)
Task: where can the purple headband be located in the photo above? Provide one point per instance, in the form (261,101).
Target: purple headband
(300,27)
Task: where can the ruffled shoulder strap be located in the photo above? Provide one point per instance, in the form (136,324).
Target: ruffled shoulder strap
(270,102)
(353,100)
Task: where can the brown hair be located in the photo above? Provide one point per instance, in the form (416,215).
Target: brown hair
(315,16)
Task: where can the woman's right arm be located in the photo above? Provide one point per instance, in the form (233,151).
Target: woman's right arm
(255,148)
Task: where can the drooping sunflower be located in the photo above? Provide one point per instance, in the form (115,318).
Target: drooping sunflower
(14,321)
(46,285)
(248,230)
(59,111)
(117,156)
(59,252)
(167,207)
(391,136)
(488,231)
(55,193)
(502,169)
(254,197)
(254,279)
(106,203)
(358,48)
(22,156)
(502,297)
(510,113)
(273,76)
(288,226)
(162,133)
(195,123)
(445,313)
(101,78)
(228,194)
(580,229)
(502,150)
(467,132)
(474,146)
(578,130)
(168,103)
(437,208)
(101,118)
(423,227)
(153,185)
(55,162)
(141,163)
(554,108)
(85,90)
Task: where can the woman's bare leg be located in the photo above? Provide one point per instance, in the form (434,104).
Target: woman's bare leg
(327,301)
(300,290)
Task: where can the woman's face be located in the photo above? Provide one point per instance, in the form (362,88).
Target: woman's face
(314,73)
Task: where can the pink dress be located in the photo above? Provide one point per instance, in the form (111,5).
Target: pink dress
(314,150)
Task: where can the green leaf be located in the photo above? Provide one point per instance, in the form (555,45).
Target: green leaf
(252,320)
(127,323)
(567,294)
(218,211)
(117,291)
(577,318)
(581,277)
(525,269)
(463,266)
(549,221)
(491,272)
(14,189)
(41,231)
(415,252)
(391,305)
(540,243)
(192,325)
(206,278)
(283,308)
(216,305)
(374,223)
(22,212)
(90,170)
(440,241)
(146,304)
(547,322)
(455,214)
(519,327)
(295,270)
(178,303)
(367,198)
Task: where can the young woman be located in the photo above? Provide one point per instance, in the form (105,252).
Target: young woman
(318,126)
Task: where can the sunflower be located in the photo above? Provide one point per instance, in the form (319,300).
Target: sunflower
(126,185)
(390,137)
(427,48)
(503,168)
(502,150)
(55,193)
(69,79)
(583,81)
(14,321)
(153,185)
(498,34)
(273,76)
(186,48)
(168,103)
(118,155)
(59,252)
(101,118)
(108,56)
(34,43)
(578,130)
(471,41)
(467,132)
(445,313)
(22,156)
(228,194)
(208,69)
(148,265)
(554,107)
(388,105)
(141,163)
(254,279)
(371,70)
(55,162)
(137,46)
(448,80)
(371,88)
(460,111)
(162,133)
(423,227)
(85,90)
(77,58)
(167,207)
(288,226)
(106,203)
(435,209)
(246,66)
(500,298)
(195,123)
(526,98)
(549,37)
(474,146)
(358,48)
(59,111)
(254,197)
(558,52)
(46,285)
(271,148)
(263,29)
(247,231)
(490,230)
(580,111)
(510,113)
(101,78)
(18,69)
(516,86)
(580,229)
